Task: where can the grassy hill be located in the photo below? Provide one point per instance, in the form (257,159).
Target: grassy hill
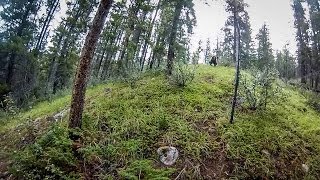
(123,126)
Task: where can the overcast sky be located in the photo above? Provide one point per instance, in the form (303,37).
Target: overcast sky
(211,18)
(276,13)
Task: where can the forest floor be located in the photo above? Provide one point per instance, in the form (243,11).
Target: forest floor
(124,125)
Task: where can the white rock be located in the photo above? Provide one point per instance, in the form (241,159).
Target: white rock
(168,155)
(305,168)
(266,152)
(60,115)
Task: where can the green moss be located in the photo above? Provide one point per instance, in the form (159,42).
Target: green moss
(280,139)
(123,126)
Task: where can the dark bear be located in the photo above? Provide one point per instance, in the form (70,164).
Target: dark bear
(214,61)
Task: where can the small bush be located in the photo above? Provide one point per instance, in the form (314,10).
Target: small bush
(131,76)
(259,88)
(182,75)
(9,105)
(51,157)
(314,101)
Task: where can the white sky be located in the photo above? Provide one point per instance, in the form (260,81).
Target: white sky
(211,18)
(276,13)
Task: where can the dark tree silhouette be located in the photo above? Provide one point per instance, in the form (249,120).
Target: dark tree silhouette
(235,8)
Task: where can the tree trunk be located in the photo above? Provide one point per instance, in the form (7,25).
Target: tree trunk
(46,24)
(109,55)
(173,35)
(53,68)
(236,57)
(145,46)
(133,12)
(79,88)
(152,58)
(136,39)
(60,51)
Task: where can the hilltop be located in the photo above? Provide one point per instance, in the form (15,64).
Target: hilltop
(124,124)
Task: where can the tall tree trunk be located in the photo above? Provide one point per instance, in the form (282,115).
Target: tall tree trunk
(11,64)
(13,55)
(53,68)
(157,51)
(55,62)
(173,35)
(52,76)
(79,88)
(236,58)
(133,12)
(110,54)
(46,24)
(145,46)
(136,39)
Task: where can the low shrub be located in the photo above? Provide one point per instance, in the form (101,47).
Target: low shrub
(182,75)
(259,88)
(51,157)
(313,100)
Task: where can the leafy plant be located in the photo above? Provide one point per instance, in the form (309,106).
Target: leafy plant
(131,76)
(182,74)
(51,157)
(9,105)
(259,88)
(314,101)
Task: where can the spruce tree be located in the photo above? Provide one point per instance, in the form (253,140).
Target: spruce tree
(207,52)
(265,57)
(303,39)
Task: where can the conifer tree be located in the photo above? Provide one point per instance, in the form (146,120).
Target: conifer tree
(207,52)
(264,50)
(303,39)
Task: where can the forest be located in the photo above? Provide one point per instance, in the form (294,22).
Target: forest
(115,89)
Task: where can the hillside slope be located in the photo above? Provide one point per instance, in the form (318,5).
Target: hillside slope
(123,127)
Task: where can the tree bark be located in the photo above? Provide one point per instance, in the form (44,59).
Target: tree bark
(110,54)
(145,46)
(236,57)
(79,88)
(173,35)
(53,68)
(133,12)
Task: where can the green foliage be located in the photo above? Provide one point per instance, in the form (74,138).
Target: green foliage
(182,75)
(264,50)
(196,55)
(123,127)
(226,62)
(142,169)
(260,88)
(275,143)
(9,105)
(51,157)
(4,89)
(314,101)
(131,76)
(285,64)
(246,53)
(207,52)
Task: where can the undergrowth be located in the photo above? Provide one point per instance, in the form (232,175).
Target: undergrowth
(124,125)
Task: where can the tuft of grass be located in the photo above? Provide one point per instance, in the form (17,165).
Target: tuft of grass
(142,169)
